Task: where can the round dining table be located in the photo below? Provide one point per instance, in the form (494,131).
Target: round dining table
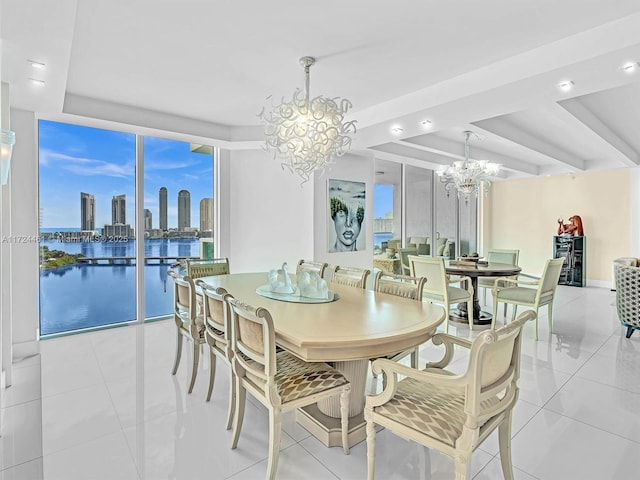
(475,270)
(358,325)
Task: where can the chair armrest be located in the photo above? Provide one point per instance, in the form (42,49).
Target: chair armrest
(460,279)
(392,369)
(448,341)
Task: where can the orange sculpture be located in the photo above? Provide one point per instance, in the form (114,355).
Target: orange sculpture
(573,228)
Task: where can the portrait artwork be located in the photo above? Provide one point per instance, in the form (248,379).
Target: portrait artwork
(346,216)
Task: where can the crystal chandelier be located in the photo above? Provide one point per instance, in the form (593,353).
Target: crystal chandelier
(307,133)
(468,176)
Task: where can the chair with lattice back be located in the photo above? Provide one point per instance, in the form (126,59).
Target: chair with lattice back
(189,321)
(198,268)
(279,380)
(353,277)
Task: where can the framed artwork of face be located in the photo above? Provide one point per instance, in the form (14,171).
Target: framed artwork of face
(346,216)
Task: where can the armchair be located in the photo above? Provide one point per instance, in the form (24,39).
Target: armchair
(627,278)
(537,292)
(453,413)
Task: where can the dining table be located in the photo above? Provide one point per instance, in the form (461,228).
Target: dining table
(355,326)
(475,269)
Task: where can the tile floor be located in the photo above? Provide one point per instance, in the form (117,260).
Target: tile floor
(103,405)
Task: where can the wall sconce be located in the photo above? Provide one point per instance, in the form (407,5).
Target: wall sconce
(7,141)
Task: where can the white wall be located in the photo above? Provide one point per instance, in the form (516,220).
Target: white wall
(270,218)
(24,230)
(353,168)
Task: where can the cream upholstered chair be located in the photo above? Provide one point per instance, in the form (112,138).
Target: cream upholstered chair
(453,413)
(189,322)
(510,257)
(627,279)
(534,292)
(217,334)
(280,381)
(439,288)
(354,277)
(403,255)
(197,268)
(310,266)
(402,286)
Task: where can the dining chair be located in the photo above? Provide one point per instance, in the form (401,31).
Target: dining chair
(453,413)
(510,257)
(403,255)
(217,334)
(311,266)
(529,291)
(189,322)
(404,286)
(279,380)
(353,277)
(198,268)
(439,288)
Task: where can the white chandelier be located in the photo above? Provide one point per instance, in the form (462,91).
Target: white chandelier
(468,176)
(308,133)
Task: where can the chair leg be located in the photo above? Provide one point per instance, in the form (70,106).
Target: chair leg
(504,440)
(415,357)
(514,308)
(176,362)
(232,398)
(371,440)
(194,367)
(550,317)
(463,466)
(212,373)
(241,397)
(275,428)
(495,312)
(344,418)
(470,313)
(446,318)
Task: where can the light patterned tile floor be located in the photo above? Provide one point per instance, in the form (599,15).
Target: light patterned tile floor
(103,405)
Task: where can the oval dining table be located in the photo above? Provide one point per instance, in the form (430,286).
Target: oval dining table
(357,326)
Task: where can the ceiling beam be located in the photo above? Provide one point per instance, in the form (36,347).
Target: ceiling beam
(507,130)
(450,148)
(620,150)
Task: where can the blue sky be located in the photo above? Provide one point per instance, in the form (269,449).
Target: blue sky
(382,200)
(76,159)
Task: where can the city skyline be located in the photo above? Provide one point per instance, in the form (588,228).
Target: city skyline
(75,159)
(119,206)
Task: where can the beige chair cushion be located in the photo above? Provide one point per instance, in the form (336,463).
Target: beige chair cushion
(432,410)
(518,294)
(296,378)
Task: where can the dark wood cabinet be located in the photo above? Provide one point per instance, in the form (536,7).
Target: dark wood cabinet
(574,250)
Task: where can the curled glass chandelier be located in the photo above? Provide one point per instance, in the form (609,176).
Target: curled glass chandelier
(307,133)
(468,176)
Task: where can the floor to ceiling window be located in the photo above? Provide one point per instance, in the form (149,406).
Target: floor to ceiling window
(411,204)
(88,223)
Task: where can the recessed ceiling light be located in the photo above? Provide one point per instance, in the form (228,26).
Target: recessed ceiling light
(566,85)
(35,81)
(630,67)
(426,123)
(37,65)
(397,130)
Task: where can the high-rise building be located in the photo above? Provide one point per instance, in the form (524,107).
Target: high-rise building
(184,210)
(87,212)
(119,210)
(163,209)
(148,222)
(206,215)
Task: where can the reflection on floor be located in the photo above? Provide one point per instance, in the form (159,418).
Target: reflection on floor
(103,405)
